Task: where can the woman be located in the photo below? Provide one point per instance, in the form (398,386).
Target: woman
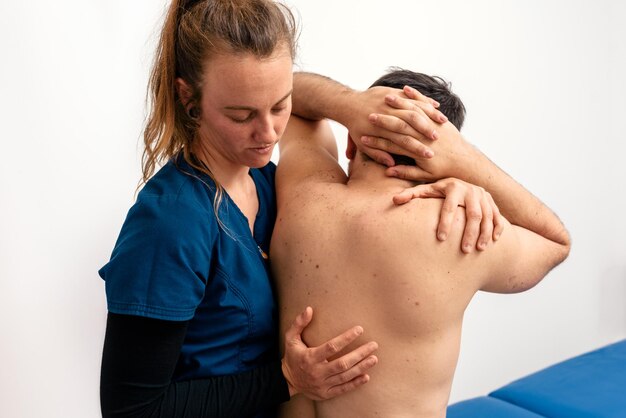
(192,327)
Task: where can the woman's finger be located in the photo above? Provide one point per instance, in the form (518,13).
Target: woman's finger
(347,387)
(353,372)
(335,345)
(298,325)
(351,360)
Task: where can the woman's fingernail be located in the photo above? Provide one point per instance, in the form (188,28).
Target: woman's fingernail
(435,135)
(443,118)
(429,154)
(373,117)
(366,139)
(442,236)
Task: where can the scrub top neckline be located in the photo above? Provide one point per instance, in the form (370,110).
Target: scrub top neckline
(253,172)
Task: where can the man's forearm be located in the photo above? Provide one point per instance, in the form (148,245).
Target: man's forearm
(516,203)
(317,97)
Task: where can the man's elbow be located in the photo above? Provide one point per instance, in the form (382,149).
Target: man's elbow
(565,246)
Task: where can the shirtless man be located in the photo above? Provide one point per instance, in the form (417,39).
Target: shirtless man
(341,246)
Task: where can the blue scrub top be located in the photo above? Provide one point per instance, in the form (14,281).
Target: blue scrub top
(173,261)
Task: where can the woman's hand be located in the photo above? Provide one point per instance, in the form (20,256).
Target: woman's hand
(483,218)
(388,115)
(309,370)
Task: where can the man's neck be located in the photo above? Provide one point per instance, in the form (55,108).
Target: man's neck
(371,174)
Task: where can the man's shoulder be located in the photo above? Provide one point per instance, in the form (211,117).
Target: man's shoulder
(418,214)
(311,194)
(414,225)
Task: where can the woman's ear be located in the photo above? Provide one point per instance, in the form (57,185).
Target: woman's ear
(185,93)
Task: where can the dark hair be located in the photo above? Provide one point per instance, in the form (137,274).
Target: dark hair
(432,86)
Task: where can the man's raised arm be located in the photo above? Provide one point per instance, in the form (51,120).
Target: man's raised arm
(317,97)
(457,158)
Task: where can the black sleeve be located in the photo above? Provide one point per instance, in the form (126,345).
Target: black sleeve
(138,362)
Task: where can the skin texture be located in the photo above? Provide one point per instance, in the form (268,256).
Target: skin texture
(408,125)
(244,108)
(341,246)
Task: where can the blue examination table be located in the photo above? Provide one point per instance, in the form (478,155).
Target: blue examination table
(592,385)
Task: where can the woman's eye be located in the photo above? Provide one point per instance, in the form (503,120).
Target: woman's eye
(278,109)
(240,119)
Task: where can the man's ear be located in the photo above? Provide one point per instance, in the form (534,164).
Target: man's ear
(350,149)
(185,92)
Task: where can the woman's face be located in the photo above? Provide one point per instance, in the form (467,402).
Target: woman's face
(246,103)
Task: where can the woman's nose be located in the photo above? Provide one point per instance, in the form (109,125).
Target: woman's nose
(265,132)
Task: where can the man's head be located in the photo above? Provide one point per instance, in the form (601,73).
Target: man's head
(432,86)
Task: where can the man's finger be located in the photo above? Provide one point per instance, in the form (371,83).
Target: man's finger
(498,221)
(403,197)
(448,211)
(410,104)
(423,190)
(375,149)
(399,144)
(400,103)
(382,144)
(412,93)
(407,122)
(416,192)
(486,225)
(408,172)
(434,114)
(473,217)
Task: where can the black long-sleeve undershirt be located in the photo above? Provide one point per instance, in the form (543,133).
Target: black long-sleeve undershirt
(138,362)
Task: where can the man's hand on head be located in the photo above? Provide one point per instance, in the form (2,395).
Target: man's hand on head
(404,126)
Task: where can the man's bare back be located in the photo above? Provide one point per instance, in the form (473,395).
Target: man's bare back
(349,253)
(342,247)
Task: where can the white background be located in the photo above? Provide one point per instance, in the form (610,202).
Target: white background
(544,85)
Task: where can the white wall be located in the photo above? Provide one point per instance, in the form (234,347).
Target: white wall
(544,85)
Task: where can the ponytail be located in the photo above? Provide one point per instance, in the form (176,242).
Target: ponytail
(193,31)
(162,136)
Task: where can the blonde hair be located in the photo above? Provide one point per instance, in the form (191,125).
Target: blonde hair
(194,31)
